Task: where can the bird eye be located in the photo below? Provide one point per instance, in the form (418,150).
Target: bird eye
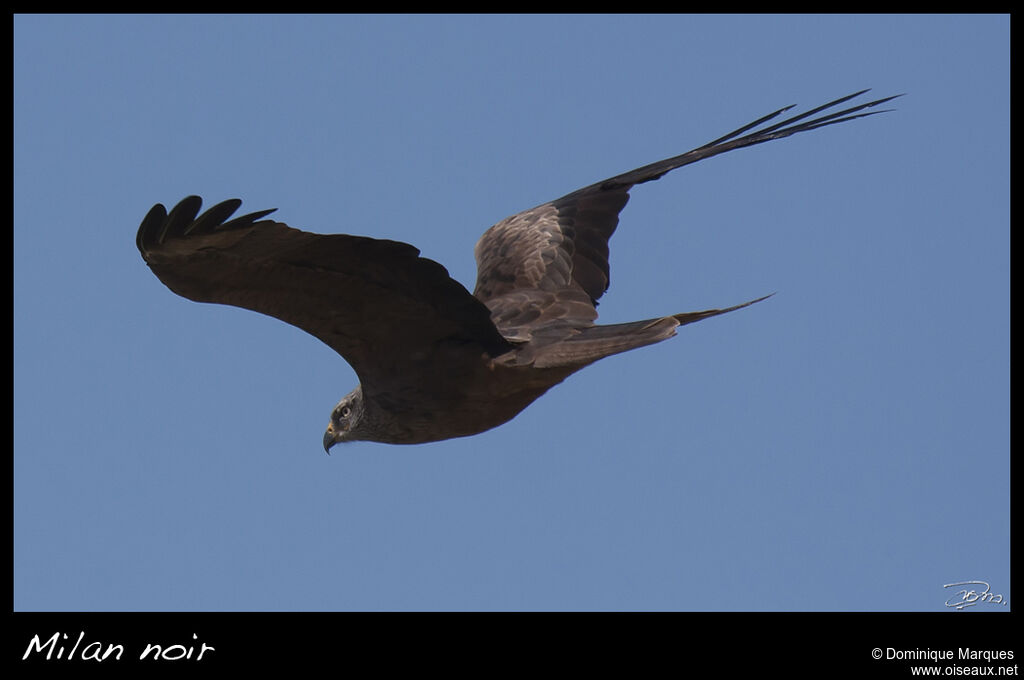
(345,411)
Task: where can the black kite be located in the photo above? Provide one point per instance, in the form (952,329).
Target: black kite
(435,362)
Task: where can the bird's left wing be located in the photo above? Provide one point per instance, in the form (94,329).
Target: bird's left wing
(377,303)
(549,264)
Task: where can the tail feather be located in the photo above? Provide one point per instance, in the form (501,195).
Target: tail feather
(692,317)
(597,342)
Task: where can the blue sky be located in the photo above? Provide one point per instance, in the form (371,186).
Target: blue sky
(843,446)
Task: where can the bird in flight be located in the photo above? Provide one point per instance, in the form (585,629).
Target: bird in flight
(435,362)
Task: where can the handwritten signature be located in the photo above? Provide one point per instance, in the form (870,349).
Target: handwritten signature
(970,596)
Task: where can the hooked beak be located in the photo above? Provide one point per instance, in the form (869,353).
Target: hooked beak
(329,439)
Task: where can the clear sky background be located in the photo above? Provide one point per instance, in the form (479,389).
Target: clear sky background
(842,446)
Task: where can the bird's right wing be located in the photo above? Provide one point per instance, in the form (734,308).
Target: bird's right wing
(375,302)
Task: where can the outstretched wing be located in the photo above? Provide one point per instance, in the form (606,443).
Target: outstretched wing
(375,302)
(550,263)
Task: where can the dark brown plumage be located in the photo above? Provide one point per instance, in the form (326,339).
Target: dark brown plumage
(435,362)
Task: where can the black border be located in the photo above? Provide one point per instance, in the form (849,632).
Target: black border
(797,644)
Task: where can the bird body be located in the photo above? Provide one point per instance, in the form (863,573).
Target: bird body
(434,361)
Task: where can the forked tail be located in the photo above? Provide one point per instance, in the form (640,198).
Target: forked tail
(597,342)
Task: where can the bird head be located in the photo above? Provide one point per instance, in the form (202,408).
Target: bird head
(344,419)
